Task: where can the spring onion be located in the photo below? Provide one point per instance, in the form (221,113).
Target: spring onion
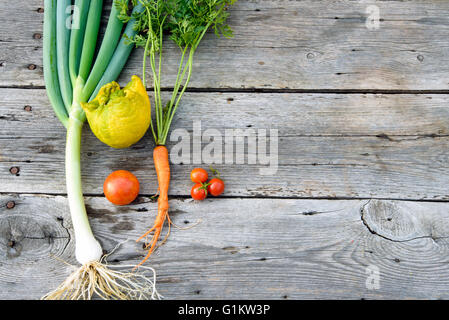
(70,79)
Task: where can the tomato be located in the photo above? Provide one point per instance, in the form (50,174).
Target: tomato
(198,192)
(121,187)
(216,187)
(198,175)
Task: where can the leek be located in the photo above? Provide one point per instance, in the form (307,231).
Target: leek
(70,80)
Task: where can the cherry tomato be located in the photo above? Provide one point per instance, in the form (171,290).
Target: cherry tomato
(198,175)
(121,187)
(198,192)
(216,187)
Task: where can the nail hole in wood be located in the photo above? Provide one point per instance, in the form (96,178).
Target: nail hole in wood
(10,204)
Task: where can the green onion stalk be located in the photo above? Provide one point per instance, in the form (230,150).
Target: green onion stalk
(73,76)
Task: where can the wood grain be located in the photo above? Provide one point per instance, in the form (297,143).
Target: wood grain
(236,250)
(348,159)
(277,45)
(330,145)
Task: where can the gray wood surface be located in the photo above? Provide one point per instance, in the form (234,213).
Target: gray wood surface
(236,250)
(280,44)
(362,182)
(330,145)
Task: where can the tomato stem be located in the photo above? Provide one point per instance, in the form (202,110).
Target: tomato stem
(215,172)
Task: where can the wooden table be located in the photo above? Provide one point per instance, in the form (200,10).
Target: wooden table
(358,208)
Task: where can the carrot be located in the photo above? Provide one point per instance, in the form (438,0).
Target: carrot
(187,22)
(162,165)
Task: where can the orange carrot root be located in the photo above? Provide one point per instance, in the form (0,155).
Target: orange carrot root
(162,165)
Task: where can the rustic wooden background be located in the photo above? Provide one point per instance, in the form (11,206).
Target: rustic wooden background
(363,178)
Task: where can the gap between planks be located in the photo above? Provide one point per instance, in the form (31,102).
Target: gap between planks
(256,197)
(265,90)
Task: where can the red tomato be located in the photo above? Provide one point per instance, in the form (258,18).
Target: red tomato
(198,175)
(121,187)
(216,187)
(198,192)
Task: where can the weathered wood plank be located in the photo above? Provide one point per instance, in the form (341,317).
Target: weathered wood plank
(357,146)
(292,114)
(237,252)
(279,44)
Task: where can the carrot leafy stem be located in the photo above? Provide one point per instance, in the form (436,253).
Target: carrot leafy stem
(186,22)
